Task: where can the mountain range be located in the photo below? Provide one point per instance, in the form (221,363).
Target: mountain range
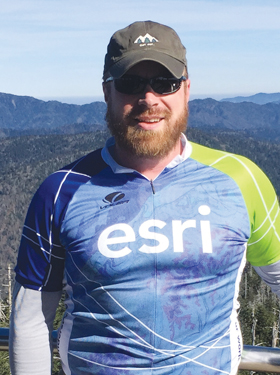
(260,98)
(27,115)
(23,115)
(254,120)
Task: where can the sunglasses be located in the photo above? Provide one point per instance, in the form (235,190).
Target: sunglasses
(132,85)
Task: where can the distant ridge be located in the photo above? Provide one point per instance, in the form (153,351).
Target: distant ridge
(23,115)
(260,98)
(26,114)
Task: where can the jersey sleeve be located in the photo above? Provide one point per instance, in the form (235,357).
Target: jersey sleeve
(41,256)
(263,247)
(263,209)
(40,261)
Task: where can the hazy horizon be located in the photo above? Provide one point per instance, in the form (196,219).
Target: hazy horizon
(87,99)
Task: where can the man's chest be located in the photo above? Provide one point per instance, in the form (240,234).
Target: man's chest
(137,224)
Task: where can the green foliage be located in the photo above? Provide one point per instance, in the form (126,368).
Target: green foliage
(59,313)
(4,363)
(4,313)
(259,304)
(4,322)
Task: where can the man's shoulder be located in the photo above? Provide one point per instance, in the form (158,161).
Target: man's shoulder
(234,165)
(210,156)
(73,174)
(258,194)
(89,164)
(250,178)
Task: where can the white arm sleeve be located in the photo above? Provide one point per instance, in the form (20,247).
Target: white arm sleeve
(271,275)
(31,324)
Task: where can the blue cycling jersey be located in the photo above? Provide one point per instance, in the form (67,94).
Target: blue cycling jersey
(151,268)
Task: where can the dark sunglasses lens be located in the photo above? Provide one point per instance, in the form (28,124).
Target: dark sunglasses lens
(166,85)
(129,85)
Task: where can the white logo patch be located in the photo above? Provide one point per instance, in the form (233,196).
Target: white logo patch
(146,40)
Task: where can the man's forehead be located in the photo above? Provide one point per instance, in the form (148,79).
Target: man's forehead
(149,69)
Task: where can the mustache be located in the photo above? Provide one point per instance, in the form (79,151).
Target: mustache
(137,112)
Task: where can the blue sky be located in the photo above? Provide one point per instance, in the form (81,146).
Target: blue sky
(54,49)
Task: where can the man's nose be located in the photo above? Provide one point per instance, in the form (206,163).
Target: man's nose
(148,98)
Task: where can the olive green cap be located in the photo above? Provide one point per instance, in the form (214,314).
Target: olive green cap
(141,41)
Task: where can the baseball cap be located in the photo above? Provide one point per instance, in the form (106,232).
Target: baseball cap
(144,40)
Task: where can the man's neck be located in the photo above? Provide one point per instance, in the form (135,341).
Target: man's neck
(150,167)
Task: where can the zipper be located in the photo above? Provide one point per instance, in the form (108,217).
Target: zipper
(155,260)
(152,186)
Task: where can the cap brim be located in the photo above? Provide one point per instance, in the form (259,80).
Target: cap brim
(175,66)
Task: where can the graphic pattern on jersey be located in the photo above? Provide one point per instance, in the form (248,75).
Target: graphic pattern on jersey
(152,270)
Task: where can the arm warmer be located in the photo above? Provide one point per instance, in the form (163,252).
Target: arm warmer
(271,275)
(31,325)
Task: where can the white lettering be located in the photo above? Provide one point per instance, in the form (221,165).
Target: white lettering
(204,210)
(145,233)
(205,230)
(178,229)
(206,236)
(104,240)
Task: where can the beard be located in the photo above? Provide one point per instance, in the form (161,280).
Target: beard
(146,143)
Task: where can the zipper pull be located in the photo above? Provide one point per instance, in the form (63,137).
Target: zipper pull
(152,185)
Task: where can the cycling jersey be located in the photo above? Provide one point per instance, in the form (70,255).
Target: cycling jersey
(151,268)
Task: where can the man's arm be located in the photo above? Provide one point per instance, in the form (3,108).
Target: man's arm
(271,275)
(39,273)
(31,325)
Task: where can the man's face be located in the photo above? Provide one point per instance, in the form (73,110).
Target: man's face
(147,124)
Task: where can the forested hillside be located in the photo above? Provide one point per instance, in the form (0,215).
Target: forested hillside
(26,161)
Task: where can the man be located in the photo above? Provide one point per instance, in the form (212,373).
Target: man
(148,236)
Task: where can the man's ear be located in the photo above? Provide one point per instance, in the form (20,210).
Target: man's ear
(187,90)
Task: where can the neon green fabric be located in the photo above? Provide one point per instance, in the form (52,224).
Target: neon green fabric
(259,197)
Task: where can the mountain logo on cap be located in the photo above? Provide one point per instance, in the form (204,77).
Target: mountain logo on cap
(146,40)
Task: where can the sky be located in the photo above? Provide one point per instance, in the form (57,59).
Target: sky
(54,49)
